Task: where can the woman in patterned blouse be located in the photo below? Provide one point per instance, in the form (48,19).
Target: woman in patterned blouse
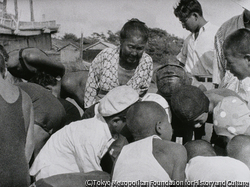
(127,64)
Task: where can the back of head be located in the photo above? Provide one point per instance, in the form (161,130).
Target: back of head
(44,79)
(239,148)
(142,118)
(186,7)
(2,65)
(161,101)
(134,26)
(237,43)
(189,102)
(170,77)
(199,148)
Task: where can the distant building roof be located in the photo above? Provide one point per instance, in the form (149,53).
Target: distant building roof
(68,45)
(60,44)
(107,44)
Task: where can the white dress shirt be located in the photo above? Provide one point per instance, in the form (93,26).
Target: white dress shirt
(78,147)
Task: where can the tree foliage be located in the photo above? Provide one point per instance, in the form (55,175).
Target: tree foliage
(163,47)
(70,37)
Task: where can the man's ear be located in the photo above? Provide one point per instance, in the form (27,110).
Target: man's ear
(158,128)
(196,15)
(247,58)
(117,124)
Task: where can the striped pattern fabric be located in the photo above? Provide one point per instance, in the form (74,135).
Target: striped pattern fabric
(227,28)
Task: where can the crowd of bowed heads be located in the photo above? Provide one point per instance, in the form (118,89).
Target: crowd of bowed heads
(61,128)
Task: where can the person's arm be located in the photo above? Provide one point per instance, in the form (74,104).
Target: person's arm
(93,80)
(37,60)
(178,173)
(182,56)
(28,113)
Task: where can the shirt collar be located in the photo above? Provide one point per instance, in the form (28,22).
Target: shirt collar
(202,29)
(207,25)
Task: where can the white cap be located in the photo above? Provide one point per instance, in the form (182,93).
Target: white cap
(117,100)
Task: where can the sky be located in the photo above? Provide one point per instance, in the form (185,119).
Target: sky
(88,16)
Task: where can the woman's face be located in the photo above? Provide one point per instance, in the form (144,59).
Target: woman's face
(132,49)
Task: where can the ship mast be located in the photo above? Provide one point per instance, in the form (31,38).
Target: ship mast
(16,9)
(31,11)
(4,7)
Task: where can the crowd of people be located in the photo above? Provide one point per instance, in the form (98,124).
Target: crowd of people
(125,135)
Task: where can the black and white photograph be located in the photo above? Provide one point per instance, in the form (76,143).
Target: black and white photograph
(125,93)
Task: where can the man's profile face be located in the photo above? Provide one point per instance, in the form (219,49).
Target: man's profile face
(237,64)
(189,23)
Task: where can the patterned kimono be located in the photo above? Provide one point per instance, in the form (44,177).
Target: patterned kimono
(103,75)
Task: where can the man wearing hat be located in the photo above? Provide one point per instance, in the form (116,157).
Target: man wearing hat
(80,146)
(220,75)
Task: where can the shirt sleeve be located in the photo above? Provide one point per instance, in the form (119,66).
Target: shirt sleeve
(182,56)
(143,75)
(92,83)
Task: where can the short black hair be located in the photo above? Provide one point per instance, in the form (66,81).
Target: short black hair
(2,64)
(43,79)
(238,42)
(186,7)
(134,25)
(4,53)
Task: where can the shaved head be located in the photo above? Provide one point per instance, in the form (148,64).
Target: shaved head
(142,118)
(199,148)
(239,148)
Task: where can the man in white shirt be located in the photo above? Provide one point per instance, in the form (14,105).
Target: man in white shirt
(79,146)
(197,54)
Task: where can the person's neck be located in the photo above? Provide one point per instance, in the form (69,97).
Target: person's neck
(202,22)
(127,66)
